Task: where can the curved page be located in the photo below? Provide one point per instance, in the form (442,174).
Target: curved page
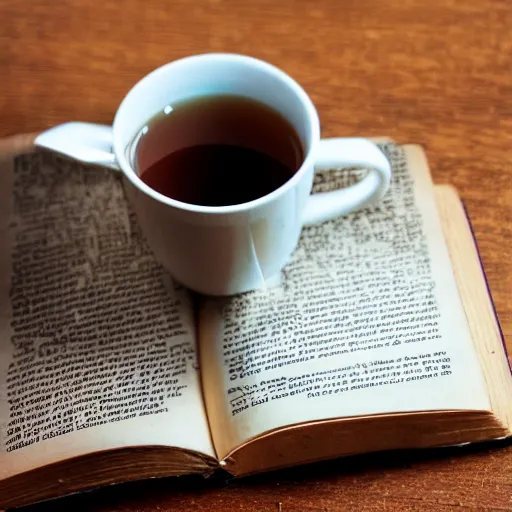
(97,344)
(366,319)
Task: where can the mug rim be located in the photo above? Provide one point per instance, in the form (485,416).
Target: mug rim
(307,162)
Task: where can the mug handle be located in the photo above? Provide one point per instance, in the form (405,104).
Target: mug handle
(85,142)
(348,152)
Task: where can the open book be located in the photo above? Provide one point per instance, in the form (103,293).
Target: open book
(379,334)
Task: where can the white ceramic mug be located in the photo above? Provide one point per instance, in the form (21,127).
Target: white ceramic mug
(229,249)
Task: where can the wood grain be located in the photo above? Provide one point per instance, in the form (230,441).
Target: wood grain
(435,73)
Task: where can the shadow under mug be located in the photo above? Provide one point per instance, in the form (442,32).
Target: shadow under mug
(229,249)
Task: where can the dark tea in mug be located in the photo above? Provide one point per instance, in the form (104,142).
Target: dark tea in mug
(217,151)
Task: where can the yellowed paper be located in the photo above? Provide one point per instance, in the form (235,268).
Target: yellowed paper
(97,344)
(366,320)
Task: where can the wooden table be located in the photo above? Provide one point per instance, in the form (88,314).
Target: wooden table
(437,73)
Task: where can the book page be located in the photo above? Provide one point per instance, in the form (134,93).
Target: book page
(97,344)
(366,319)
